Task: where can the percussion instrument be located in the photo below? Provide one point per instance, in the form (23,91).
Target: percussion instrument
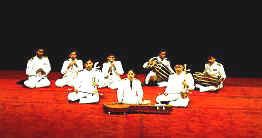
(162,71)
(206,80)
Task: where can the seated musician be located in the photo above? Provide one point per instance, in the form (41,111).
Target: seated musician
(70,69)
(85,85)
(37,69)
(130,90)
(154,77)
(112,69)
(215,70)
(177,88)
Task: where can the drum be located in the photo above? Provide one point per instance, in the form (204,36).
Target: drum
(206,80)
(162,71)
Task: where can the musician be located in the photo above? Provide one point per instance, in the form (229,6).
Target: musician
(37,69)
(213,69)
(112,69)
(130,90)
(151,78)
(85,85)
(70,69)
(178,86)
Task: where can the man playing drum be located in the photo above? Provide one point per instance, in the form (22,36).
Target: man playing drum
(160,69)
(212,78)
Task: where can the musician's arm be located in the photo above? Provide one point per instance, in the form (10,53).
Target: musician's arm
(222,73)
(79,64)
(190,81)
(119,68)
(105,68)
(46,66)
(64,67)
(29,68)
(120,93)
(145,65)
(140,92)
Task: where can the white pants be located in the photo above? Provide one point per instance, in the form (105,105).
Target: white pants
(208,88)
(174,100)
(83,97)
(112,82)
(63,82)
(131,100)
(151,74)
(37,82)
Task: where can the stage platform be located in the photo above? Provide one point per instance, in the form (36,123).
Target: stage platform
(235,112)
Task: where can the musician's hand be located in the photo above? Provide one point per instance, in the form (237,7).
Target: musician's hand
(221,79)
(184,95)
(41,71)
(95,91)
(185,84)
(205,74)
(96,65)
(94,84)
(75,90)
(71,64)
(151,63)
(113,66)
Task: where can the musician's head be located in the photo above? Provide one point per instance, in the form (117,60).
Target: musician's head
(89,64)
(211,59)
(40,52)
(179,68)
(73,54)
(131,74)
(162,53)
(111,57)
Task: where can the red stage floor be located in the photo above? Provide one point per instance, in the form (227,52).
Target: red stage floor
(233,112)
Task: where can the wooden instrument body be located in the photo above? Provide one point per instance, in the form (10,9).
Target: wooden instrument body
(116,108)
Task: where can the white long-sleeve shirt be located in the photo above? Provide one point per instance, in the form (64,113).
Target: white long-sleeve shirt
(130,94)
(71,71)
(85,80)
(164,61)
(175,82)
(215,70)
(118,69)
(36,63)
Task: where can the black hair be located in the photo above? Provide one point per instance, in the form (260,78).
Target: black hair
(73,50)
(89,59)
(36,49)
(131,70)
(162,50)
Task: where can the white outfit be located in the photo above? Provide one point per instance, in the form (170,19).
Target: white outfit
(215,70)
(130,93)
(111,74)
(165,62)
(37,80)
(69,73)
(175,87)
(86,92)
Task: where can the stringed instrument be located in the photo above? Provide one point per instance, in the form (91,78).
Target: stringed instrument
(118,108)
